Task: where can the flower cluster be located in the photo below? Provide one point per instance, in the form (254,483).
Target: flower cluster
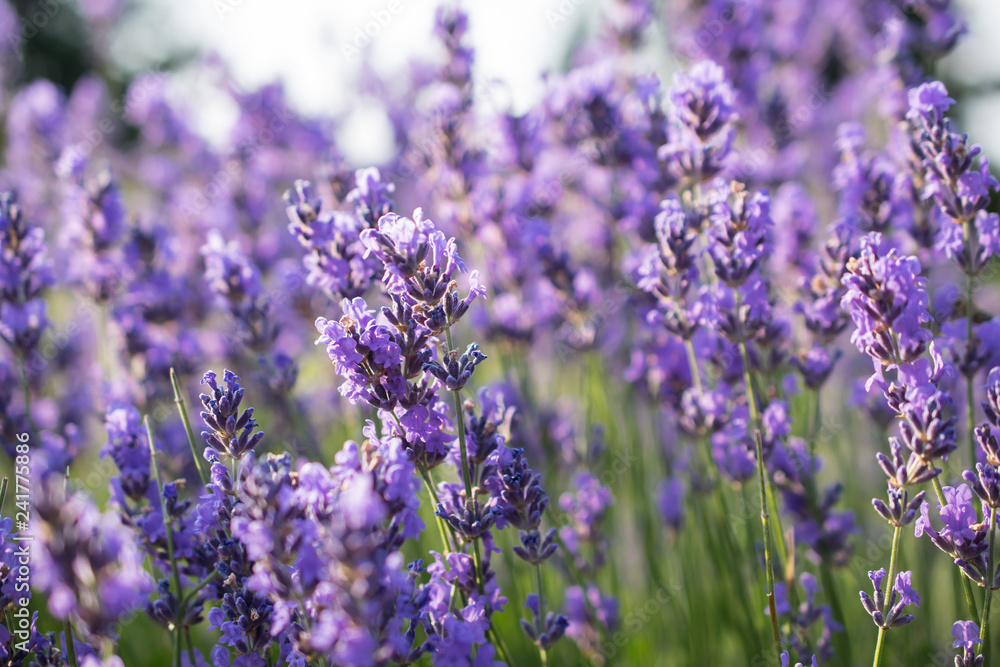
(662,363)
(24,275)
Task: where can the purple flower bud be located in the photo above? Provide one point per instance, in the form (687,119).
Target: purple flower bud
(230,435)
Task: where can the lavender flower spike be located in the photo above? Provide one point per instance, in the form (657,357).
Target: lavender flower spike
(232,432)
(87,562)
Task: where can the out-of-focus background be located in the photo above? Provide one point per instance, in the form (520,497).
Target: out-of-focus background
(323,51)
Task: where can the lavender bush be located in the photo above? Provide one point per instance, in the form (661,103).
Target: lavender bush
(616,380)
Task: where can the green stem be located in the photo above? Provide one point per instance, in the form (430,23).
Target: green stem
(190,645)
(499,644)
(168,530)
(969,311)
(764,514)
(460,420)
(769,568)
(3,490)
(70,643)
(988,601)
(781,551)
(477,561)
(182,408)
(541,613)
(888,596)
(693,364)
(191,592)
(970,420)
(466,475)
(429,483)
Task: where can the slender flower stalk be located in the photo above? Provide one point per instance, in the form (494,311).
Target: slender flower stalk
(970,392)
(988,595)
(70,643)
(463,449)
(170,538)
(466,475)
(182,409)
(448,539)
(765,516)
(542,653)
(877,660)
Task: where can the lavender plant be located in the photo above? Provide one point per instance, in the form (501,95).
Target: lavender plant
(611,333)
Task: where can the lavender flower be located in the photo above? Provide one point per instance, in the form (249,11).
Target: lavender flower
(420,265)
(543,632)
(591,616)
(232,432)
(586,509)
(959,184)
(86,562)
(786,661)
(966,634)
(888,304)
(470,518)
(704,111)
(336,260)
(24,275)
(902,595)
(807,614)
(129,450)
(740,229)
(365,354)
(326,559)
(963,537)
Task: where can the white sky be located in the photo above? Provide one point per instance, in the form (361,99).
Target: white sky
(302,42)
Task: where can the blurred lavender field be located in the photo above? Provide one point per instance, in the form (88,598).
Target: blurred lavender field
(535,333)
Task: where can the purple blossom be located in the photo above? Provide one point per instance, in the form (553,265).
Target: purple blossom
(963,536)
(365,354)
(24,275)
(670,500)
(956,176)
(129,449)
(902,595)
(703,113)
(232,432)
(887,301)
(78,538)
(586,509)
(335,259)
(966,634)
(420,265)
